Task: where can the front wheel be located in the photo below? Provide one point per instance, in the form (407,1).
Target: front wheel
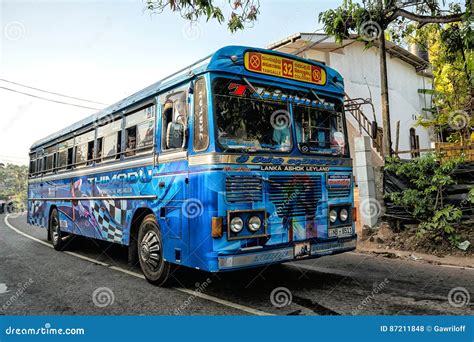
(150,252)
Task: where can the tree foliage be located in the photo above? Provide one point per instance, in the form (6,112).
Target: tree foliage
(444,28)
(13,184)
(428,177)
(243,12)
(451,55)
(351,17)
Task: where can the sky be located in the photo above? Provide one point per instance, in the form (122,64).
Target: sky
(106,50)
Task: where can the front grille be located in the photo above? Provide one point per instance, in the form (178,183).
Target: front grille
(338,193)
(296,195)
(244,189)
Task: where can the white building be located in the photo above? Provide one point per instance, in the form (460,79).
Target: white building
(360,68)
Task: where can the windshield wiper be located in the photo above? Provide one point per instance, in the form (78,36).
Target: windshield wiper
(252,87)
(240,149)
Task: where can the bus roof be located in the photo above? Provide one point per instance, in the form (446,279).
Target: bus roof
(218,61)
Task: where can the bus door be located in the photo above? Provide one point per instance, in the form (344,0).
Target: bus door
(173,170)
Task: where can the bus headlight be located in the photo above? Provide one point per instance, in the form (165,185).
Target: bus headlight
(255,223)
(343,215)
(236,224)
(333,216)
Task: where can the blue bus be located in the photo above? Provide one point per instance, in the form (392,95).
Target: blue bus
(239,160)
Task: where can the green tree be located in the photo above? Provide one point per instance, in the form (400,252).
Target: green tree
(14,183)
(373,18)
(451,54)
(243,12)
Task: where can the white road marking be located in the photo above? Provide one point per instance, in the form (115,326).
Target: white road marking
(138,275)
(3,288)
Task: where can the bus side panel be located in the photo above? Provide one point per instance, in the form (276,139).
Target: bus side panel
(204,190)
(169,185)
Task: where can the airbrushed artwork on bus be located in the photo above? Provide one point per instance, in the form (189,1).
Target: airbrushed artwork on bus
(89,208)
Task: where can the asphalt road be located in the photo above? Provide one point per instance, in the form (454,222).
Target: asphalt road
(93,278)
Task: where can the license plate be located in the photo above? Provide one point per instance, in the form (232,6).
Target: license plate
(302,250)
(340,232)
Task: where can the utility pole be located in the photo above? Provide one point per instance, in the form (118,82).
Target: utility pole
(387,134)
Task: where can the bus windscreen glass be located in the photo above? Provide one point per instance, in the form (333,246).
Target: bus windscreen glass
(250,124)
(319,131)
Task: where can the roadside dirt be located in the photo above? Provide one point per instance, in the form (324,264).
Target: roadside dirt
(405,244)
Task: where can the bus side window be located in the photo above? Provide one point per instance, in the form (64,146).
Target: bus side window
(98,155)
(84,147)
(109,141)
(90,152)
(174,121)
(32,164)
(119,145)
(70,155)
(139,131)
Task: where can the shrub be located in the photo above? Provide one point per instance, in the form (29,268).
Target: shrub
(427,177)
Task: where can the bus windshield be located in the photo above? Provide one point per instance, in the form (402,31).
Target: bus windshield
(319,131)
(247,121)
(251,124)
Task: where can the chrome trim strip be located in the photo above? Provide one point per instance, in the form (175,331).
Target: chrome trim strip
(227,262)
(171,157)
(217,158)
(148,161)
(283,254)
(210,159)
(330,247)
(93,198)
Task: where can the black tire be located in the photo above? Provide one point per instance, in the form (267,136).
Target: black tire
(55,231)
(150,252)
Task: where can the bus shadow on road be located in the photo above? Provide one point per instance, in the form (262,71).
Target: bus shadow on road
(248,280)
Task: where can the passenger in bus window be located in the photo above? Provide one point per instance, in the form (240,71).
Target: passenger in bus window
(130,150)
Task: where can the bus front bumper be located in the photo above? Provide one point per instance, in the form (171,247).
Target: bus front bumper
(279,255)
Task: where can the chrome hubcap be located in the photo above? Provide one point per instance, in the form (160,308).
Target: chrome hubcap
(150,250)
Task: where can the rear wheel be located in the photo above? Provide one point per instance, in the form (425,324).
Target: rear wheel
(150,252)
(55,231)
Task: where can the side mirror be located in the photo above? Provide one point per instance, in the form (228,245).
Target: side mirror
(375,130)
(175,135)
